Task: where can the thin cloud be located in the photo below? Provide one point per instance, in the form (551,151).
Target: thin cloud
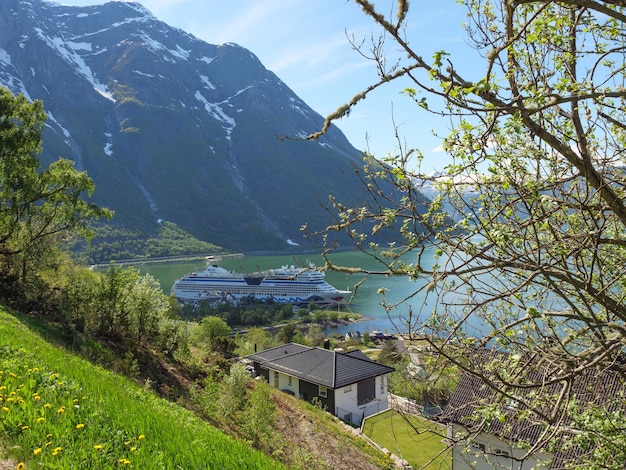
(322,79)
(311,54)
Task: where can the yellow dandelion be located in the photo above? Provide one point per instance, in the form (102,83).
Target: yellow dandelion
(61,410)
(80,426)
(48,436)
(75,400)
(37,451)
(10,400)
(21,466)
(48,444)
(41,419)
(141,437)
(97,446)
(47,405)
(35,369)
(5,409)
(3,388)
(124,461)
(24,428)
(60,383)
(133,449)
(57,450)
(36,397)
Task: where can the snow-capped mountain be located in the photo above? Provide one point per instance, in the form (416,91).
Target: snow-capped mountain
(173,128)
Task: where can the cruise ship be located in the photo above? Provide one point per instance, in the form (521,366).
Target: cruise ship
(289,284)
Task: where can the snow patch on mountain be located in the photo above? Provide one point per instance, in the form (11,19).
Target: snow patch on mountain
(207,82)
(64,131)
(215,110)
(5,57)
(60,46)
(79,46)
(143,11)
(299,106)
(108,147)
(8,75)
(158,48)
(142,74)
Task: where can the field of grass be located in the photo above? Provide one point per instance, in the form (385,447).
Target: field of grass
(59,411)
(416,440)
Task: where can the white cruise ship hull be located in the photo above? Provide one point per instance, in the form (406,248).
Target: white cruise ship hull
(297,286)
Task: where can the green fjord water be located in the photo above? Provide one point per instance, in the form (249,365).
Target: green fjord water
(366,301)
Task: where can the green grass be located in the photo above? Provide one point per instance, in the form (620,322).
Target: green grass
(415,439)
(59,411)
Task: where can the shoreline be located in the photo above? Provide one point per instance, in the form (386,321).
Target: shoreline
(202,256)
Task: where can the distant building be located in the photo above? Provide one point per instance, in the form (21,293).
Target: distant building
(353,336)
(380,337)
(349,384)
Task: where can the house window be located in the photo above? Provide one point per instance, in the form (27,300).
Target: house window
(289,380)
(323,392)
(501,452)
(366,391)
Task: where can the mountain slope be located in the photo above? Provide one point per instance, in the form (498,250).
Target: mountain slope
(173,128)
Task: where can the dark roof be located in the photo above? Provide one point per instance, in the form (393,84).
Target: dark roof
(331,369)
(599,388)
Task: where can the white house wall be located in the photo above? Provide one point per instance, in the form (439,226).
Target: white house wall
(346,401)
(285,382)
(487,452)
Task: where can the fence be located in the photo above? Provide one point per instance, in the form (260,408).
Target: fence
(404,405)
(356,418)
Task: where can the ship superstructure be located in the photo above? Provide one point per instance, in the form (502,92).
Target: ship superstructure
(289,284)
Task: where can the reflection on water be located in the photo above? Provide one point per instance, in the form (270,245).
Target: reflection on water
(366,302)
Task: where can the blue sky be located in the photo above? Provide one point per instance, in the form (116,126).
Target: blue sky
(304,43)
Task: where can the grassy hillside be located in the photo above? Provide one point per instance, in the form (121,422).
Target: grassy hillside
(59,411)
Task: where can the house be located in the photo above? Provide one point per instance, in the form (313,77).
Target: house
(353,336)
(378,337)
(503,442)
(488,447)
(347,384)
